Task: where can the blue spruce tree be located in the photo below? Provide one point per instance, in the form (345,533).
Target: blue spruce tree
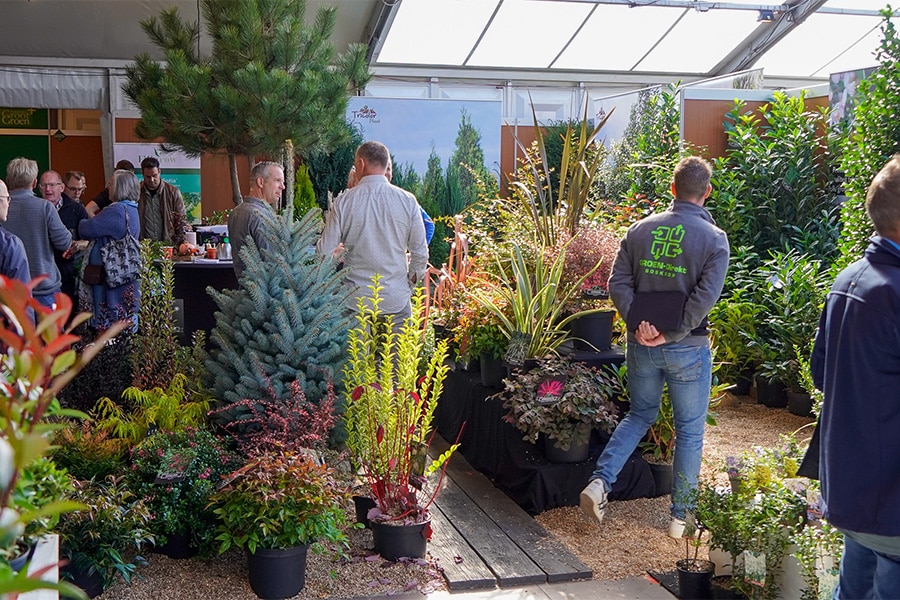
(287,322)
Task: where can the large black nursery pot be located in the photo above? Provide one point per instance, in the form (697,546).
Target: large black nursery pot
(593,332)
(663,478)
(695,579)
(577,452)
(178,546)
(799,403)
(493,370)
(770,393)
(362,505)
(90,582)
(398,540)
(278,572)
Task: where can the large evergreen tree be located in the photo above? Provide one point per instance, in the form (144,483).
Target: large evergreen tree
(270,77)
(287,322)
(468,161)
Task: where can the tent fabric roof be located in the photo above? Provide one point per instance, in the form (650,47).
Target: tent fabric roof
(615,39)
(805,39)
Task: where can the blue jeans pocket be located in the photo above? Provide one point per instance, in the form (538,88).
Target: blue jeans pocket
(683,364)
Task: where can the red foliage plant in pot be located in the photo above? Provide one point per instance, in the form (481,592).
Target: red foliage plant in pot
(392,391)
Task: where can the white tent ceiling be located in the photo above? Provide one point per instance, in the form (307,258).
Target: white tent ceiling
(593,40)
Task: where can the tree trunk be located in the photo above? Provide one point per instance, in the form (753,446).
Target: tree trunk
(235,182)
(287,160)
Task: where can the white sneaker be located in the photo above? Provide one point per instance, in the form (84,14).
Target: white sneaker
(676,528)
(593,500)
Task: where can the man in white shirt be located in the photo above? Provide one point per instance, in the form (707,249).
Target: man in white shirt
(378,224)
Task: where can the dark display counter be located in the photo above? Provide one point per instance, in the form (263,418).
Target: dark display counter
(195,309)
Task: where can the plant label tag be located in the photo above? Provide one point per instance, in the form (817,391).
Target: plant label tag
(550,389)
(754,567)
(828,580)
(814,505)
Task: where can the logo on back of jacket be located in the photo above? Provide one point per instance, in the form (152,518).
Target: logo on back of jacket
(666,245)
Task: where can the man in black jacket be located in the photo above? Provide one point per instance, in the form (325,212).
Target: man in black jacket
(71,213)
(856,364)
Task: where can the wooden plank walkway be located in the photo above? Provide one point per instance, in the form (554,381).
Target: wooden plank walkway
(483,540)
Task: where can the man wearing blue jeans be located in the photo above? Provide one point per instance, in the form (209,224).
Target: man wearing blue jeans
(856,364)
(670,268)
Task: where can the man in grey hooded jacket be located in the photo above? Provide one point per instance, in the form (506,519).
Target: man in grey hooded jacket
(667,275)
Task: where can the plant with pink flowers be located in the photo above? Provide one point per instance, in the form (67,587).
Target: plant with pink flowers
(176,472)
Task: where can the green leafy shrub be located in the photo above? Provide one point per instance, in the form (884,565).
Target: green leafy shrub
(280,500)
(103,536)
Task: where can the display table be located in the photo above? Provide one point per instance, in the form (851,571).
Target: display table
(195,309)
(467,412)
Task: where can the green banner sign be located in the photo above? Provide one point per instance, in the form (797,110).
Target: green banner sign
(24,118)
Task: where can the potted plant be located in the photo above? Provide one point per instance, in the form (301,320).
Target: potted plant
(480,335)
(563,401)
(274,507)
(391,398)
(37,363)
(694,573)
(176,472)
(533,296)
(101,540)
(589,256)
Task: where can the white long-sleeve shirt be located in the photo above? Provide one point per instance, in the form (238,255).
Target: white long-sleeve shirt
(378,223)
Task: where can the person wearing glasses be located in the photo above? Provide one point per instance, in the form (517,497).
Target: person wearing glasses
(13,262)
(76,184)
(36,222)
(71,213)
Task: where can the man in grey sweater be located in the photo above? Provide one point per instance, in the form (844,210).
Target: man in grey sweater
(248,219)
(670,269)
(35,222)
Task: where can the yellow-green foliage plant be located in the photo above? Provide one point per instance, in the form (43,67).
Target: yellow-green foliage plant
(167,409)
(390,405)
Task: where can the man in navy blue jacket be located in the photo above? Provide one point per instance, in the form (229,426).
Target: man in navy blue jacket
(856,363)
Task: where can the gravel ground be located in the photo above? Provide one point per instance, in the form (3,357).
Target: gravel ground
(631,540)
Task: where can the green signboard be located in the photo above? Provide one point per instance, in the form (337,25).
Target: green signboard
(24,118)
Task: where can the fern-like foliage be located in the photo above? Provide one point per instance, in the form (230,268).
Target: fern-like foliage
(166,409)
(287,322)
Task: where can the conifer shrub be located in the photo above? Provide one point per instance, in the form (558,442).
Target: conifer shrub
(287,322)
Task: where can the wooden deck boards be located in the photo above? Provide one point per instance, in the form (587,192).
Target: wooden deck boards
(483,539)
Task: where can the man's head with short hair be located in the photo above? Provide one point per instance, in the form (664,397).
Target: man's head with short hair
(883,200)
(372,158)
(21,173)
(150,171)
(51,186)
(75,184)
(4,202)
(127,165)
(690,180)
(267,181)
(124,186)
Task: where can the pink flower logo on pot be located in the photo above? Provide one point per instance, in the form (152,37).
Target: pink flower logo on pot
(550,389)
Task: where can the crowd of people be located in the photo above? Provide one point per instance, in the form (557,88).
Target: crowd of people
(57,238)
